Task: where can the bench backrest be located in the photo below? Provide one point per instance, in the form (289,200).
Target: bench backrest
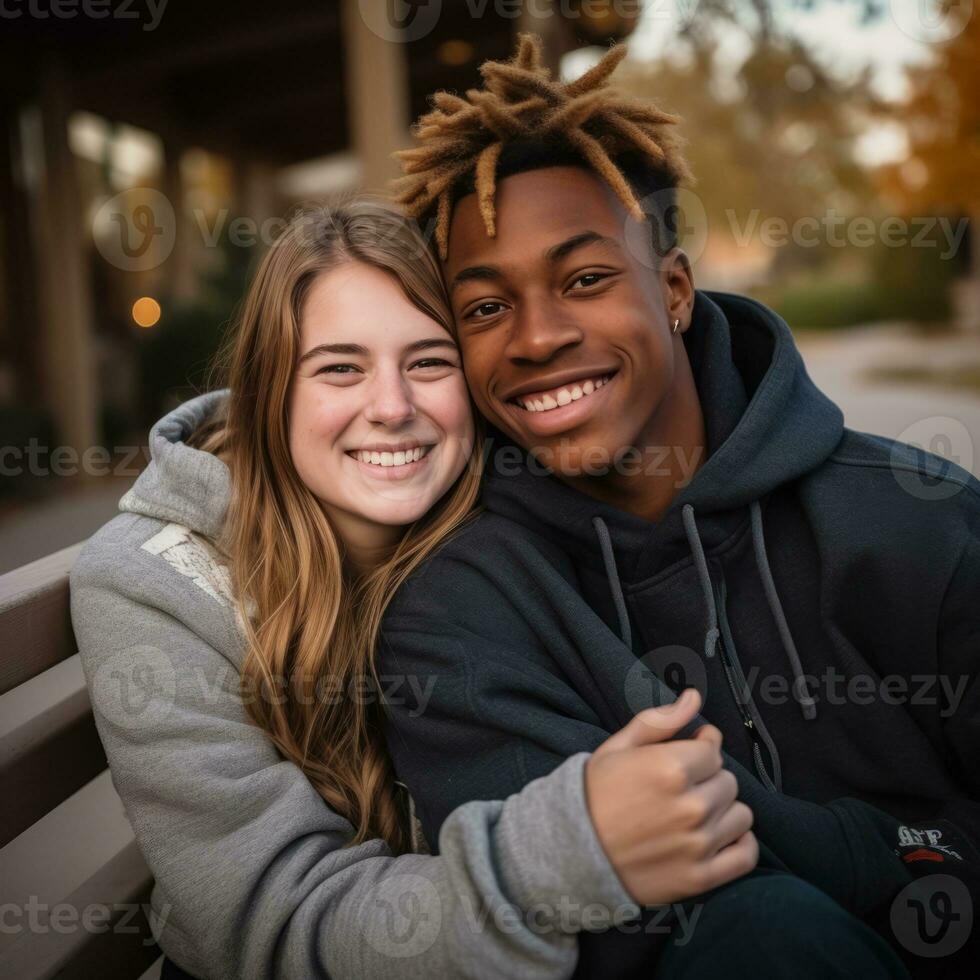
(74,888)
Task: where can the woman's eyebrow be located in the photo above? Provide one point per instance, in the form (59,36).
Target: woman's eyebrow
(332,349)
(418,345)
(430,343)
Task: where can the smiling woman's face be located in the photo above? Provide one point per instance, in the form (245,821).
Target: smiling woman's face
(380,424)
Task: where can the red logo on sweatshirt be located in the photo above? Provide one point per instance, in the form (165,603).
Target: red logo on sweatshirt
(926,844)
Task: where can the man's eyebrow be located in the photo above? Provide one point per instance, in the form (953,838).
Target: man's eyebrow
(563,249)
(332,349)
(476,272)
(554,254)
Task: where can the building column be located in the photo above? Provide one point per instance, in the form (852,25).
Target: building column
(180,269)
(19,285)
(377,83)
(64,288)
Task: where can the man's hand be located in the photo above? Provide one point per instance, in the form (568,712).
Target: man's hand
(666,812)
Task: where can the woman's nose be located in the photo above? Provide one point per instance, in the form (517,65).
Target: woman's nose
(391,401)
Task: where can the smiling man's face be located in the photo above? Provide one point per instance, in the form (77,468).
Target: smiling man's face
(565,317)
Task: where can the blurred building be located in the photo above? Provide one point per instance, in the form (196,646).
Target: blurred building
(143,143)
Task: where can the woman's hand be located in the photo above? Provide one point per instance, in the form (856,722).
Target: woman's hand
(666,812)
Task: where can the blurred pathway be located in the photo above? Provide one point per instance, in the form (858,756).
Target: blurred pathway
(943,420)
(35,529)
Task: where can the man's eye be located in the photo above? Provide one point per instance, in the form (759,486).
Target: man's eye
(588,279)
(486,309)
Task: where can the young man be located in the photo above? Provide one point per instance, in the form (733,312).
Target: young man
(669,500)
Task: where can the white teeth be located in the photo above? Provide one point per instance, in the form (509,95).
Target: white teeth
(391,459)
(563,396)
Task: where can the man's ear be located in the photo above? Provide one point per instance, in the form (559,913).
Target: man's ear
(677,284)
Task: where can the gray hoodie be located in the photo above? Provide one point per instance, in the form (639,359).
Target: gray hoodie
(252,875)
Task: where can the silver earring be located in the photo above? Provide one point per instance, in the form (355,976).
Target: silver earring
(677,323)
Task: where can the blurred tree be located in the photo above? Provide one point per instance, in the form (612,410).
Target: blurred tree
(771,135)
(773,132)
(942,116)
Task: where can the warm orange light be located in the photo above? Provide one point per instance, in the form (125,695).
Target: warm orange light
(146,312)
(455,52)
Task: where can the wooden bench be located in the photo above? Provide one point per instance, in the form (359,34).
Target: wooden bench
(73,885)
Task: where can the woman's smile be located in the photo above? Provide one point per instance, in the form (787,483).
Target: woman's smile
(392,465)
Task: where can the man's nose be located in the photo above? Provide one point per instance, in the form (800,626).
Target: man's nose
(539,332)
(391,399)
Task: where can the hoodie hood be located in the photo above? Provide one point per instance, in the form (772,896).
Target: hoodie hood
(766,424)
(182,485)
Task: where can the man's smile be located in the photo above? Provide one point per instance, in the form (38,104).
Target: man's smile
(545,411)
(546,399)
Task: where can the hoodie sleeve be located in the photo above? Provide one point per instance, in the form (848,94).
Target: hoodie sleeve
(944,838)
(502,712)
(254,874)
(947,838)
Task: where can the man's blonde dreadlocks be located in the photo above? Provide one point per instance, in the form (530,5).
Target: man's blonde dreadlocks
(463,139)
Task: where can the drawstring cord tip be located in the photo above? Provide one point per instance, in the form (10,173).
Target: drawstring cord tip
(711,641)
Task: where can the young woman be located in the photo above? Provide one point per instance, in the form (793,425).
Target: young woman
(227,619)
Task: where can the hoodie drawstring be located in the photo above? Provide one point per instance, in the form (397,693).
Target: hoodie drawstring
(612,576)
(704,577)
(808,707)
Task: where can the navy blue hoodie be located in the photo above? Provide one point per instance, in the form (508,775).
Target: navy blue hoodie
(817,584)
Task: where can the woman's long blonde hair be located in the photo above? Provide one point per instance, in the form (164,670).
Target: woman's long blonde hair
(308,618)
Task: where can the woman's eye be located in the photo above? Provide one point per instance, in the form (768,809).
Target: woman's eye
(429,362)
(589,279)
(337,369)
